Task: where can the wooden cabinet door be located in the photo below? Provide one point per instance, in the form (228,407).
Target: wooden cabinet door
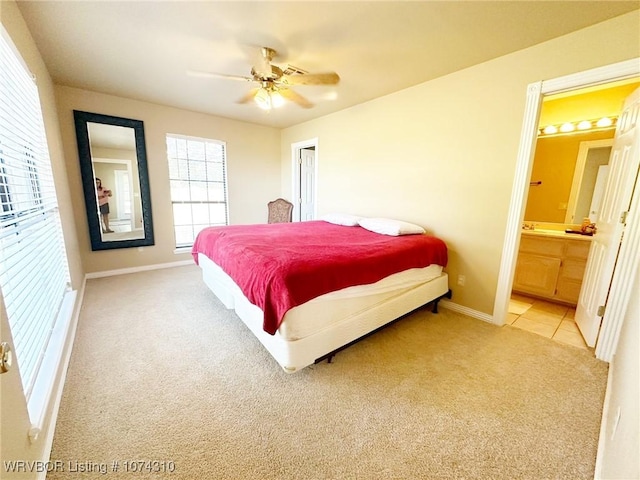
(536,274)
(572,271)
(568,290)
(570,280)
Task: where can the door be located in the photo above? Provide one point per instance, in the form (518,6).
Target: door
(307,183)
(623,169)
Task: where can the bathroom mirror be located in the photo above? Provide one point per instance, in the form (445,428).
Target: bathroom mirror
(566,188)
(113,165)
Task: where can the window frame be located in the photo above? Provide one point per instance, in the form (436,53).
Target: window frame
(186,177)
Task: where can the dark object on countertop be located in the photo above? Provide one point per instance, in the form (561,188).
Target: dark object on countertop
(579,232)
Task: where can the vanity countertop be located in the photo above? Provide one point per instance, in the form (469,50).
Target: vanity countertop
(557,234)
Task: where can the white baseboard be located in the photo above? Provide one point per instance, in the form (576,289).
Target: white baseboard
(143,268)
(448,304)
(64,365)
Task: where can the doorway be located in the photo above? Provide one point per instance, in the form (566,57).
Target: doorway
(567,164)
(304,160)
(529,134)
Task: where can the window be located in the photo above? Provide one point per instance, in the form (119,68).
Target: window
(197,175)
(34,273)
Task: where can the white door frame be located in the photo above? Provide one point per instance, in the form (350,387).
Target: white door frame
(295,175)
(520,189)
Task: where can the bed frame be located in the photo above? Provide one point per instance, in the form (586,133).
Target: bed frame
(293,355)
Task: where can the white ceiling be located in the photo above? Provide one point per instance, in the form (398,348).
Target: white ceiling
(143,49)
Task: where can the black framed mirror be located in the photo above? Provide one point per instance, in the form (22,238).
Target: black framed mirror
(115,180)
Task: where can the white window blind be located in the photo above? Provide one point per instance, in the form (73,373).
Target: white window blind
(198,181)
(34,273)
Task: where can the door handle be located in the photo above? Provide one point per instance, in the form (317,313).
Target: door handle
(6,357)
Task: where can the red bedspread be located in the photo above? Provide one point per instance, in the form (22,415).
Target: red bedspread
(282,265)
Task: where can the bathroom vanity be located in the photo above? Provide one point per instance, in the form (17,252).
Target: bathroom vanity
(551,265)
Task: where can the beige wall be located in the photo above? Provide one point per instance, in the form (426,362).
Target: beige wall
(253,169)
(14,443)
(443,153)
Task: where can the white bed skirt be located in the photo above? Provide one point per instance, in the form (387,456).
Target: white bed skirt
(337,318)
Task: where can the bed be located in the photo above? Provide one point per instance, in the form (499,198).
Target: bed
(308,289)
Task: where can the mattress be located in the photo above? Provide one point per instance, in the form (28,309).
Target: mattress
(323,311)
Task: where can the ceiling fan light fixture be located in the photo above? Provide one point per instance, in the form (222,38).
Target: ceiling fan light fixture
(267,98)
(277,100)
(262,99)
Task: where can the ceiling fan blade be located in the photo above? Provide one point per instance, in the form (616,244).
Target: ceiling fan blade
(295,97)
(194,73)
(249,96)
(329,78)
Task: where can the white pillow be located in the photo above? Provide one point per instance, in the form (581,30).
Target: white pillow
(388,226)
(342,219)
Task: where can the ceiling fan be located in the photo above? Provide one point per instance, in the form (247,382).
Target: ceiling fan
(274,82)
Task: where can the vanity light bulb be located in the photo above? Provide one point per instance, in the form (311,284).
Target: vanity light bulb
(550,130)
(604,122)
(567,127)
(584,125)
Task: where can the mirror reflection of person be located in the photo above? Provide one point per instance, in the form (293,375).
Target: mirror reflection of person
(103,205)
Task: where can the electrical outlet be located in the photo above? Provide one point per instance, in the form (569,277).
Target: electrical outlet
(461,280)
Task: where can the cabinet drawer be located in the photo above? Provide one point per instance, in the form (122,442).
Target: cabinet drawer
(552,247)
(577,249)
(573,269)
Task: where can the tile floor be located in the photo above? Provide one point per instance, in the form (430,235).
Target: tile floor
(548,319)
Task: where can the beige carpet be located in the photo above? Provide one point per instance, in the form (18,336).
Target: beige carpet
(162,372)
